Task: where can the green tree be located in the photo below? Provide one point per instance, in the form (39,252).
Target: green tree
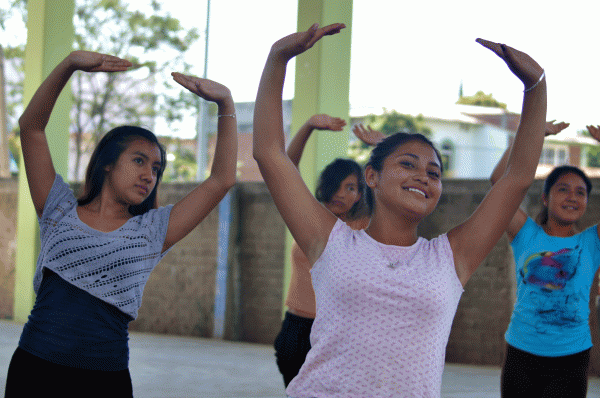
(481,99)
(389,123)
(593,152)
(182,161)
(154,41)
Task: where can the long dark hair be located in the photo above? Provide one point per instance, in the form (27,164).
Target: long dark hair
(331,178)
(107,153)
(386,147)
(542,217)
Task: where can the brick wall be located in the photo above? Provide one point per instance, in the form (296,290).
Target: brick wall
(8,245)
(179,297)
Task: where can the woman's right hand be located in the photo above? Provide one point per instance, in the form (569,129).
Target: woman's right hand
(296,43)
(89,61)
(326,122)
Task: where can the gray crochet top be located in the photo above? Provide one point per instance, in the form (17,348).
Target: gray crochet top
(112,266)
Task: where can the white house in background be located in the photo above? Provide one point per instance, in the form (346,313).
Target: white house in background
(470,138)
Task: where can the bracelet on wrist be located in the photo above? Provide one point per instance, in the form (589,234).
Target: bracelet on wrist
(232,116)
(536,83)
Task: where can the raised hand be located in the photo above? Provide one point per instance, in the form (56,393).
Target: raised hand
(296,43)
(89,61)
(553,128)
(326,122)
(521,64)
(368,135)
(594,132)
(204,88)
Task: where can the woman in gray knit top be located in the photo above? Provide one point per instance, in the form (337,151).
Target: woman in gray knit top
(98,251)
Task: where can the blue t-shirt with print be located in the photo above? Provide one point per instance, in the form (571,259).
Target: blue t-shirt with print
(554,277)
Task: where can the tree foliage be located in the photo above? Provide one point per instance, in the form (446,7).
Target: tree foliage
(593,152)
(481,99)
(151,39)
(154,42)
(389,123)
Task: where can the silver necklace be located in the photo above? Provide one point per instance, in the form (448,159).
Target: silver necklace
(390,264)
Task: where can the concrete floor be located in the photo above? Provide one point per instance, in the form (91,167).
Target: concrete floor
(172,366)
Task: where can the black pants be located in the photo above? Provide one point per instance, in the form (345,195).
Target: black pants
(292,344)
(528,375)
(30,376)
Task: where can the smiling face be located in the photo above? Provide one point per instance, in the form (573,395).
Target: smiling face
(345,197)
(133,177)
(409,182)
(567,199)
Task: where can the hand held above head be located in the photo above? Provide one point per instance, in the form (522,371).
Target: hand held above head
(553,128)
(594,131)
(326,122)
(204,88)
(89,61)
(368,136)
(296,43)
(521,64)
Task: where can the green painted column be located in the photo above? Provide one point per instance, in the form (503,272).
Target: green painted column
(322,86)
(49,40)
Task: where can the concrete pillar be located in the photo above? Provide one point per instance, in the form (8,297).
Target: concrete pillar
(322,86)
(49,40)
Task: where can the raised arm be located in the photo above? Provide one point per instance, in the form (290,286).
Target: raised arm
(595,133)
(316,122)
(520,216)
(474,239)
(195,206)
(309,222)
(36,154)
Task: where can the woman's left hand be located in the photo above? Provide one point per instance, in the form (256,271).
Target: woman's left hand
(594,132)
(553,128)
(204,88)
(367,135)
(521,64)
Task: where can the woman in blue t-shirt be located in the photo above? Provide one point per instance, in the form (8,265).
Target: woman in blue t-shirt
(548,336)
(97,251)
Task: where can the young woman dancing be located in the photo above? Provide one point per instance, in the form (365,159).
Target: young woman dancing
(385,297)
(549,336)
(341,190)
(98,251)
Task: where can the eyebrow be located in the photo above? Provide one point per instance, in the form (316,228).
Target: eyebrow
(412,155)
(142,154)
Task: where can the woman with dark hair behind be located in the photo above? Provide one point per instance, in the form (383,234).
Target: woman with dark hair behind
(340,189)
(98,252)
(386,297)
(548,337)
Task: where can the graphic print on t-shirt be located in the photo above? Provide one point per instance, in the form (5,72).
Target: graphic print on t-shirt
(551,272)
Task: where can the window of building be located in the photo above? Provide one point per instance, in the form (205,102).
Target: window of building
(447,152)
(555,155)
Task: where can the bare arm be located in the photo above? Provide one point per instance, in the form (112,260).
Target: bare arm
(595,133)
(309,222)
(316,122)
(520,216)
(195,206)
(36,154)
(474,239)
